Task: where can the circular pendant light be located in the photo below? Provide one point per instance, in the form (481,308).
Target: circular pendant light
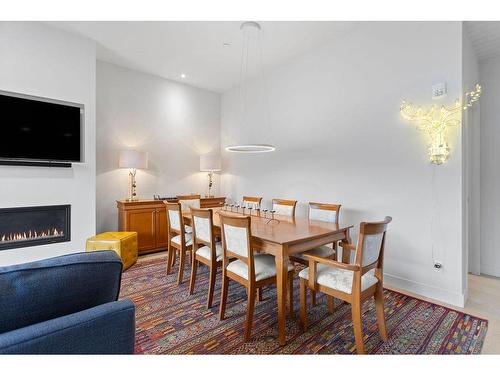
(249,29)
(251,148)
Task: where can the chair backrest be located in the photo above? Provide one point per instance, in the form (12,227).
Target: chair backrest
(253,202)
(370,246)
(174,218)
(202,223)
(236,235)
(50,288)
(188,201)
(324,212)
(285,207)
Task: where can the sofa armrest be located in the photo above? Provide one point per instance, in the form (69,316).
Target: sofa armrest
(105,329)
(47,289)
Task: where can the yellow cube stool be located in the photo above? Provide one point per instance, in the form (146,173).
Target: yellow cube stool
(123,243)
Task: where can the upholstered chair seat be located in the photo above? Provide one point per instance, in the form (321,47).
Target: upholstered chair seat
(265,267)
(187,236)
(205,252)
(322,251)
(188,229)
(339,279)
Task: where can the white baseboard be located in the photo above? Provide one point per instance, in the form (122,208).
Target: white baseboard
(425,290)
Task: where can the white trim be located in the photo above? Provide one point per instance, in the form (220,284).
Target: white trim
(425,290)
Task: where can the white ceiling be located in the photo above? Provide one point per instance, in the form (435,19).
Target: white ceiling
(168,49)
(485,38)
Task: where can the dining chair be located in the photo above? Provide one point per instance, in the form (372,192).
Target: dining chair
(253,202)
(188,201)
(250,270)
(352,283)
(209,252)
(321,212)
(285,207)
(326,212)
(178,240)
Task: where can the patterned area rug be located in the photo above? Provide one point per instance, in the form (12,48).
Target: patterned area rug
(169,321)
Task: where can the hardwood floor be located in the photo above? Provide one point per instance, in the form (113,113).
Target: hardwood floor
(483,302)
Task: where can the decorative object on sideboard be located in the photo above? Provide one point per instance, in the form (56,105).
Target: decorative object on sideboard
(252,51)
(133,160)
(210,163)
(435,121)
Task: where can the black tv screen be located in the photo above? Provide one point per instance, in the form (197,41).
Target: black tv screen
(39,130)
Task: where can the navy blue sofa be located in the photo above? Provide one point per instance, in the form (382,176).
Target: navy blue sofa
(65,305)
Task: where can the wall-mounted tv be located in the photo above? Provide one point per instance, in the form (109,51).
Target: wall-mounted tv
(37,129)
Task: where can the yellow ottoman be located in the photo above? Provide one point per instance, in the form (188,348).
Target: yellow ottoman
(123,243)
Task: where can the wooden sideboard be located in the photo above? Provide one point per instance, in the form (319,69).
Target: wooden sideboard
(148,218)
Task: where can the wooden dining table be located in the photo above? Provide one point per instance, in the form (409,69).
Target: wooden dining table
(284,236)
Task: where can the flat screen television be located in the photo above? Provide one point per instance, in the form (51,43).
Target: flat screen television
(40,130)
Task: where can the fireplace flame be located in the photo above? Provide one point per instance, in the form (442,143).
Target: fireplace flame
(31,235)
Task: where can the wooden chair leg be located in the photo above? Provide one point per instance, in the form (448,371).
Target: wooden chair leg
(171,257)
(379,305)
(290,294)
(182,260)
(223,296)
(259,294)
(174,255)
(250,307)
(313,298)
(358,326)
(194,269)
(211,286)
(303,304)
(330,303)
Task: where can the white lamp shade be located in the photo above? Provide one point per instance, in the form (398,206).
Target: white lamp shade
(210,163)
(133,159)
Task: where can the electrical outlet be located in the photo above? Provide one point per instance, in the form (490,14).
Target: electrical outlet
(439,90)
(438,265)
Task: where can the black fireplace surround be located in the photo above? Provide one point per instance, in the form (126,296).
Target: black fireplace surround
(33,226)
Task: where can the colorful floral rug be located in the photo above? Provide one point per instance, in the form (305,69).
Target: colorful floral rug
(169,321)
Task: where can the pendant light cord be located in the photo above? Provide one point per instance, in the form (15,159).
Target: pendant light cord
(264,83)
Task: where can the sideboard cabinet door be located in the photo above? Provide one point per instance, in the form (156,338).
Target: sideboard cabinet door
(143,222)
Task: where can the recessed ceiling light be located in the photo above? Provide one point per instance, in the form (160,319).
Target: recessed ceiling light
(183,76)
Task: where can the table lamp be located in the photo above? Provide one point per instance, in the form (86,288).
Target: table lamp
(210,163)
(133,160)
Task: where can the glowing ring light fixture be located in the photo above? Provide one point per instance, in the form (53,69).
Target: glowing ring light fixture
(251,148)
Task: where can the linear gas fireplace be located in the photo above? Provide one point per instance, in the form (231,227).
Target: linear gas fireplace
(33,226)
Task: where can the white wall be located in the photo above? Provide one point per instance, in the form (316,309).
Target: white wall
(175,123)
(335,121)
(471,142)
(39,60)
(490,172)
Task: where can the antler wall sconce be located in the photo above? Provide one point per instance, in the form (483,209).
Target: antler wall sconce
(435,120)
